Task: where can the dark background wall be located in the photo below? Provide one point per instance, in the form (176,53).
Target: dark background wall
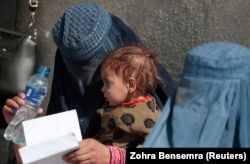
(8,14)
(171,26)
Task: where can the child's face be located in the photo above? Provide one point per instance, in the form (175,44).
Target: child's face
(114,88)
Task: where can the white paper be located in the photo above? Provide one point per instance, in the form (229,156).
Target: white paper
(49,151)
(48,138)
(43,128)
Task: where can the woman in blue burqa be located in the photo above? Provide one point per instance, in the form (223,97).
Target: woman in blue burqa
(84,34)
(211,106)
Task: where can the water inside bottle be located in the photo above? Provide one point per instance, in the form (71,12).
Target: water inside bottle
(14,131)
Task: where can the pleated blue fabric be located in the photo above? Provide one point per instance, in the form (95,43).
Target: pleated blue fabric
(211,106)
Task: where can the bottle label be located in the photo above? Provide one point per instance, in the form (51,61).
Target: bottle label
(33,95)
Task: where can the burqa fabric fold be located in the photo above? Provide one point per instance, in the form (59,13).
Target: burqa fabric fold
(211,106)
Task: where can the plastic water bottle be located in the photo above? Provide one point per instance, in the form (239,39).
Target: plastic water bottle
(36,89)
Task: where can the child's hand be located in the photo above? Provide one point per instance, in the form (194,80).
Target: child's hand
(90,151)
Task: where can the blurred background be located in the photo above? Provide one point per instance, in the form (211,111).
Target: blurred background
(171,26)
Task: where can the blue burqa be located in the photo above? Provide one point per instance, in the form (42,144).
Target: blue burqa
(68,94)
(211,106)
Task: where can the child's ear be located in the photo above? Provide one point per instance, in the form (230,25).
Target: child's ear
(131,84)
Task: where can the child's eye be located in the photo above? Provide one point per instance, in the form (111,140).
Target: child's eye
(105,83)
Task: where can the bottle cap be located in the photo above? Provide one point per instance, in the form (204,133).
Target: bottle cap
(43,70)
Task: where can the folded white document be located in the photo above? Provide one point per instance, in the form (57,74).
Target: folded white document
(49,151)
(48,138)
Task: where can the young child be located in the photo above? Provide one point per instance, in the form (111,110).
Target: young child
(129,74)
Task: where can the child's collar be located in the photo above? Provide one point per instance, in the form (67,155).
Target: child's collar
(138,101)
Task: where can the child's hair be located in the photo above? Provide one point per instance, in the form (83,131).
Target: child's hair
(134,61)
